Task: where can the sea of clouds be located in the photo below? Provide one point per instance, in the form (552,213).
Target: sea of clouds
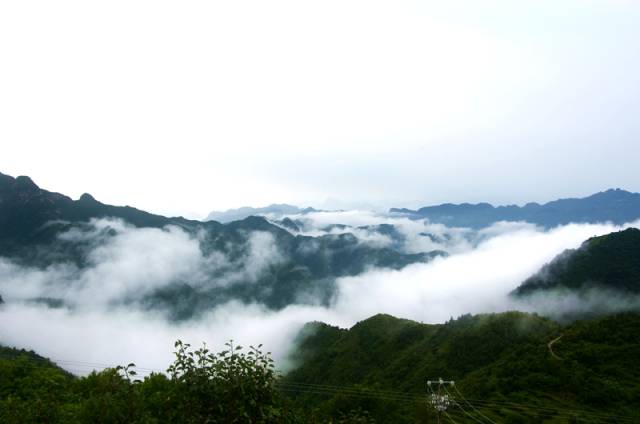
(95,327)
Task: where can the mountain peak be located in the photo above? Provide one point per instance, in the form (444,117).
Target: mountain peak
(614,192)
(87,198)
(26,184)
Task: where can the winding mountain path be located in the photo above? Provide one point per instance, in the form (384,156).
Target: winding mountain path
(550,346)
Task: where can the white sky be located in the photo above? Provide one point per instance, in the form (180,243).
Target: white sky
(184,107)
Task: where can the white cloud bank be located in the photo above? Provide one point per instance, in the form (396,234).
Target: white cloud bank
(474,279)
(414,232)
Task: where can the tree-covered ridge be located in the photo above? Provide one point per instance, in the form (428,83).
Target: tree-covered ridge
(500,362)
(41,229)
(610,262)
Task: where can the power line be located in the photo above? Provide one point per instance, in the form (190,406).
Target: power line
(472,407)
(467,413)
(397,396)
(439,398)
(412,398)
(511,405)
(363,392)
(450,419)
(550,412)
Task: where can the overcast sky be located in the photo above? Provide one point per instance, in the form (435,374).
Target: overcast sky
(185,107)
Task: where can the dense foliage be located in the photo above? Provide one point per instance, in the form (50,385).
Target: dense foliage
(511,367)
(500,362)
(233,386)
(609,262)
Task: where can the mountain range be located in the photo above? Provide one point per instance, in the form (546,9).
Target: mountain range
(36,224)
(613,205)
(511,367)
(275,211)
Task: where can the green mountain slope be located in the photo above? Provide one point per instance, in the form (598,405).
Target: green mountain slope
(508,368)
(608,262)
(500,362)
(29,385)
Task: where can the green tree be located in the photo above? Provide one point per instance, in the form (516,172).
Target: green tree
(231,386)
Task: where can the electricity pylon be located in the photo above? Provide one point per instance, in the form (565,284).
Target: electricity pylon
(439,397)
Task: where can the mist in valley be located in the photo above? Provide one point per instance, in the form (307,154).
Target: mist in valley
(99,313)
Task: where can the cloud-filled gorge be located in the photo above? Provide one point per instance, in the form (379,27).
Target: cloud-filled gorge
(109,307)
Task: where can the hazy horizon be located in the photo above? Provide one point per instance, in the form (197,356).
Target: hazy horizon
(378,207)
(182,111)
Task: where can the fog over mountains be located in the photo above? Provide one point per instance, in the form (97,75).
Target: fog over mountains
(371,194)
(613,205)
(251,260)
(274,210)
(79,278)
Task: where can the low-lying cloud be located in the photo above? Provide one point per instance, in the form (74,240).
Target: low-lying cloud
(130,262)
(95,327)
(417,235)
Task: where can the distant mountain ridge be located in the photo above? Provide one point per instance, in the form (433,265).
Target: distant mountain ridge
(278,210)
(614,205)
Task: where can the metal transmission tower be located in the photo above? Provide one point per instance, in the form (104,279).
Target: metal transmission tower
(439,398)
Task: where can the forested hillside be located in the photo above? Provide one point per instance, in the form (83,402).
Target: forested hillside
(512,367)
(610,262)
